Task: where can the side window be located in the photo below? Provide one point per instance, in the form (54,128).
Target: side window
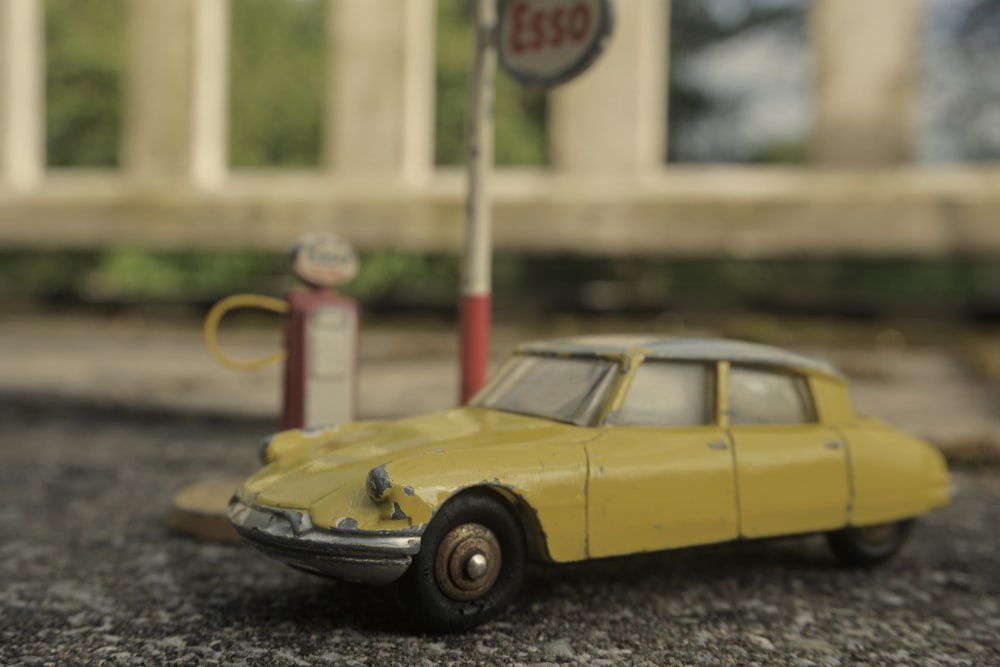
(758,396)
(669,394)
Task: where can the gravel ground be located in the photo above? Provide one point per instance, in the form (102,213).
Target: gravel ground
(90,574)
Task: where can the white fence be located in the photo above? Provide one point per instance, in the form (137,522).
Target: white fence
(607,190)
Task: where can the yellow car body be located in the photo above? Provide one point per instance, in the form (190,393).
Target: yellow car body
(644,444)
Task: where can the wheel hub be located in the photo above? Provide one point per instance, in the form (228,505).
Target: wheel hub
(477,567)
(468,562)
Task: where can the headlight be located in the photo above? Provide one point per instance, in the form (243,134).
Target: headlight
(262,450)
(378,484)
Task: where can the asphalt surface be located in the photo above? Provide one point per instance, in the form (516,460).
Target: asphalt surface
(91,575)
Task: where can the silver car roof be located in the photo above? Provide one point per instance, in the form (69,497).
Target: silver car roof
(687,349)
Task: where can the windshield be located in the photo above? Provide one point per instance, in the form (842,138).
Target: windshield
(566,389)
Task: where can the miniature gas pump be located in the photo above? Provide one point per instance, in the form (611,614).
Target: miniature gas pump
(321,335)
(321,367)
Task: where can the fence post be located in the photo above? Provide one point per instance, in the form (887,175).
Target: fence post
(380,96)
(614,117)
(158,103)
(22,94)
(210,101)
(866,69)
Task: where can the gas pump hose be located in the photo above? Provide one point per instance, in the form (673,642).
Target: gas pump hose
(233,302)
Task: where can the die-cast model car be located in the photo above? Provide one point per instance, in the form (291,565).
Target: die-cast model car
(583,448)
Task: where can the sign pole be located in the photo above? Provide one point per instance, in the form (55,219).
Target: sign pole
(476,266)
(540,43)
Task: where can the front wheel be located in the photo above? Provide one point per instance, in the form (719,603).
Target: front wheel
(470,566)
(864,546)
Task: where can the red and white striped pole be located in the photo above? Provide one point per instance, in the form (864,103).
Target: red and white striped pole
(477,258)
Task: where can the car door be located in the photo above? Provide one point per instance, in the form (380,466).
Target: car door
(661,474)
(791,470)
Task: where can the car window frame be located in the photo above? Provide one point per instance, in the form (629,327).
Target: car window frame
(713,413)
(597,414)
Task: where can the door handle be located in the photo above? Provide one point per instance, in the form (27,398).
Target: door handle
(716,445)
(833,444)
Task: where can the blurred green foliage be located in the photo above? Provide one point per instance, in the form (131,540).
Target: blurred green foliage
(84,61)
(277,93)
(134,275)
(398,280)
(519,113)
(696,28)
(278,76)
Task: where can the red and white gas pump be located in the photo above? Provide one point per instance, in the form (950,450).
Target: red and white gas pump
(321,335)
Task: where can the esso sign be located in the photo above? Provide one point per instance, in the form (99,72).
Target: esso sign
(543,43)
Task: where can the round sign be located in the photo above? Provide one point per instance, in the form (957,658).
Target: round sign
(324,260)
(543,43)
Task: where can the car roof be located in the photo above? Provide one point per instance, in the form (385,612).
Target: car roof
(687,349)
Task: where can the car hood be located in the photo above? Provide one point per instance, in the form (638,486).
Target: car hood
(337,460)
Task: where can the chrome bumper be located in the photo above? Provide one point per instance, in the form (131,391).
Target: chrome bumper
(357,556)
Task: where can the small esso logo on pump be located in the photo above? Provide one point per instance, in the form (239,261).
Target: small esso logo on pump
(324,260)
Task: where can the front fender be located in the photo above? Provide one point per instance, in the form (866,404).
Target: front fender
(549,478)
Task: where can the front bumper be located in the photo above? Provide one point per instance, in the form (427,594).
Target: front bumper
(359,556)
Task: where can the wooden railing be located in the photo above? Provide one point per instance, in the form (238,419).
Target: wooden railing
(607,190)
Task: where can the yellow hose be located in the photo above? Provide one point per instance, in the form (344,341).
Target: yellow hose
(219,311)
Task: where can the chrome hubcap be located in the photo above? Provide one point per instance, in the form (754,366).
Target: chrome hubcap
(468,562)
(477,567)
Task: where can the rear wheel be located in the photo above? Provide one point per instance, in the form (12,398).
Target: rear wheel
(470,566)
(864,546)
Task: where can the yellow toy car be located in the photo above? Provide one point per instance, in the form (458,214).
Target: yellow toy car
(583,448)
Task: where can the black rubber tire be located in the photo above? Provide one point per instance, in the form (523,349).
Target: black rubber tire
(425,600)
(865,546)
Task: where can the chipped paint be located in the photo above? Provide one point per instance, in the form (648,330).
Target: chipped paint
(295,441)
(411,507)
(317,431)
(358,556)
(378,483)
(262,450)
(347,523)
